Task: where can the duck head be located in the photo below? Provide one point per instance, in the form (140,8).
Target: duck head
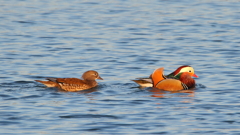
(182,69)
(91,75)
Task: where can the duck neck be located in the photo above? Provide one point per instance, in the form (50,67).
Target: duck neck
(91,82)
(187,79)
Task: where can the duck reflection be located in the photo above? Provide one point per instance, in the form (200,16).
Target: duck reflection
(82,91)
(165,94)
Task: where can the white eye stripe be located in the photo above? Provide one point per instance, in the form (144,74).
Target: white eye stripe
(186,69)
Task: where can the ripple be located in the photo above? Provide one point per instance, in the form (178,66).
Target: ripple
(89,116)
(6,123)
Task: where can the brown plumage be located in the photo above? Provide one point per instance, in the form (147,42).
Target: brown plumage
(74,84)
(161,82)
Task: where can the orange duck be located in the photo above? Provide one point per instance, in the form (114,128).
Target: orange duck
(184,81)
(74,84)
(147,82)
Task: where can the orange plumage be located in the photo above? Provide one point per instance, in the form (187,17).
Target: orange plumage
(161,82)
(148,82)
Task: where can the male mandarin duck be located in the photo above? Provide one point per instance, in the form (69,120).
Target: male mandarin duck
(171,84)
(147,82)
(74,84)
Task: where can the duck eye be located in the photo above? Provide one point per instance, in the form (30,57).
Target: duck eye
(190,71)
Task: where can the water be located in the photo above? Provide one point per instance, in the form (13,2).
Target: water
(122,40)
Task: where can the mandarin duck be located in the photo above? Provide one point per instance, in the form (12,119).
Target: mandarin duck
(147,82)
(184,81)
(74,84)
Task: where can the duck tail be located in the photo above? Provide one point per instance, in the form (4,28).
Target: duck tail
(47,83)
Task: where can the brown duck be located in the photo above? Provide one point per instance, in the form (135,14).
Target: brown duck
(74,84)
(184,82)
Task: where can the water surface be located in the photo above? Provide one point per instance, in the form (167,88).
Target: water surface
(122,40)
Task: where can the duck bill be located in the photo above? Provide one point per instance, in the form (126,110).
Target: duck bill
(194,75)
(100,78)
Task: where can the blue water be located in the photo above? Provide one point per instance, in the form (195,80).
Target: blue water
(122,40)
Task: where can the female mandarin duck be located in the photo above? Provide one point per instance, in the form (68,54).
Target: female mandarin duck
(171,84)
(74,84)
(147,82)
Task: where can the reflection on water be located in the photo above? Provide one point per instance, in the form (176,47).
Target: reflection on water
(165,94)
